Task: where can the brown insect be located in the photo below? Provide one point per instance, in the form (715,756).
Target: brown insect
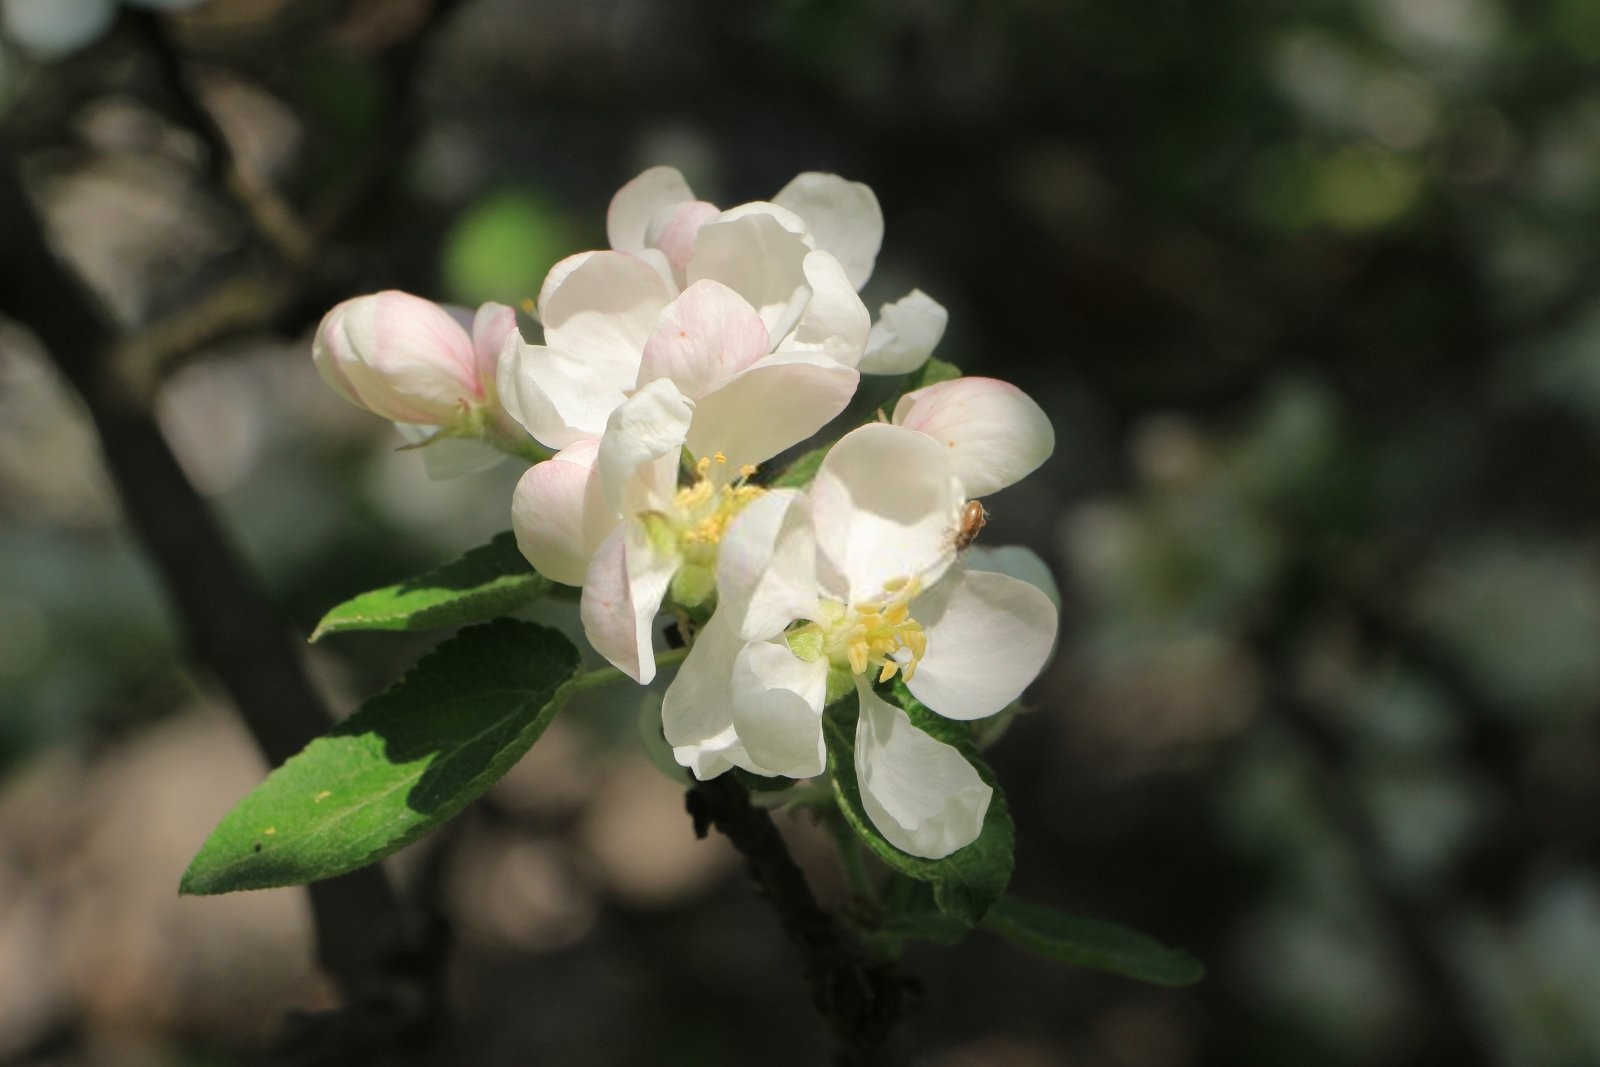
(973,518)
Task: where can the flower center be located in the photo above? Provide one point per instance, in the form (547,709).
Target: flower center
(878,633)
(694,523)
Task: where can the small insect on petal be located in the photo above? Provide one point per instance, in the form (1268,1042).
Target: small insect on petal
(973,518)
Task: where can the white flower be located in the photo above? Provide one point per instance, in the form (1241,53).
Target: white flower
(606,512)
(756,248)
(430,369)
(849,584)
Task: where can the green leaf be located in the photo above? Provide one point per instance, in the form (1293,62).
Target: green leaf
(966,882)
(798,474)
(409,759)
(491,580)
(1095,943)
(931,373)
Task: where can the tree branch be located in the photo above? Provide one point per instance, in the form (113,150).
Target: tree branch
(229,624)
(861,999)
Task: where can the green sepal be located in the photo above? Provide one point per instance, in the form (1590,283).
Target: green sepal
(968,881)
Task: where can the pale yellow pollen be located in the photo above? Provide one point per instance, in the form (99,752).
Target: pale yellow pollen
(700,513)
(878,633)
(529,306)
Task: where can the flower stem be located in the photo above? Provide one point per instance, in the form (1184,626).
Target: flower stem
(860,998)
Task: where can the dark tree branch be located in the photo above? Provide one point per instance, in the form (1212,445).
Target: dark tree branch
(230,626)
(860,998)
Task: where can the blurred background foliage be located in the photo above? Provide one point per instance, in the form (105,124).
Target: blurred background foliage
(1310,292)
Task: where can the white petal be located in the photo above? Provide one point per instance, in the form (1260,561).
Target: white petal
(448,457)
(445,457)
(399,356)
(921,794)
(843,217)
(556,396)
(778,402)
(885,505)
(622,592)
(703,338)
(905,335)
(640,451)
(777,710)
(52,28)
(697,711)
(1019,562)
(994,432)
(766,565)
(560,515)
(674,233)
(636,204)
(988,636)
(835,321)
(491,326)
(602,311)
(757,250)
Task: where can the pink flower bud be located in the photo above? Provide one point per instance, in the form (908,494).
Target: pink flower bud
(406,358)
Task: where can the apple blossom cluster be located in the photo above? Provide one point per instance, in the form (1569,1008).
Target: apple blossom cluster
(700,345)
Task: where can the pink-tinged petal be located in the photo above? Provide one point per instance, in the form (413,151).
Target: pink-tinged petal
(920,793)
(560,515)
(398,356)
(330,330)
(777,710)
(988,635)
(675,233)
(905,335)
(994,432)
(640,451)
(835,322)
(556,396)
(492,326)
(622,591)
(697,711)
(778,402)
(843,217)
(766,565)
(637,204)
(757,250)
(602,310)
(704,338)
(884,504)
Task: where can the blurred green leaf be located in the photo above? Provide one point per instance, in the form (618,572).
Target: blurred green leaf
(489,581)
(966,882)
(502,247)
(1092,943)
(409,759)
